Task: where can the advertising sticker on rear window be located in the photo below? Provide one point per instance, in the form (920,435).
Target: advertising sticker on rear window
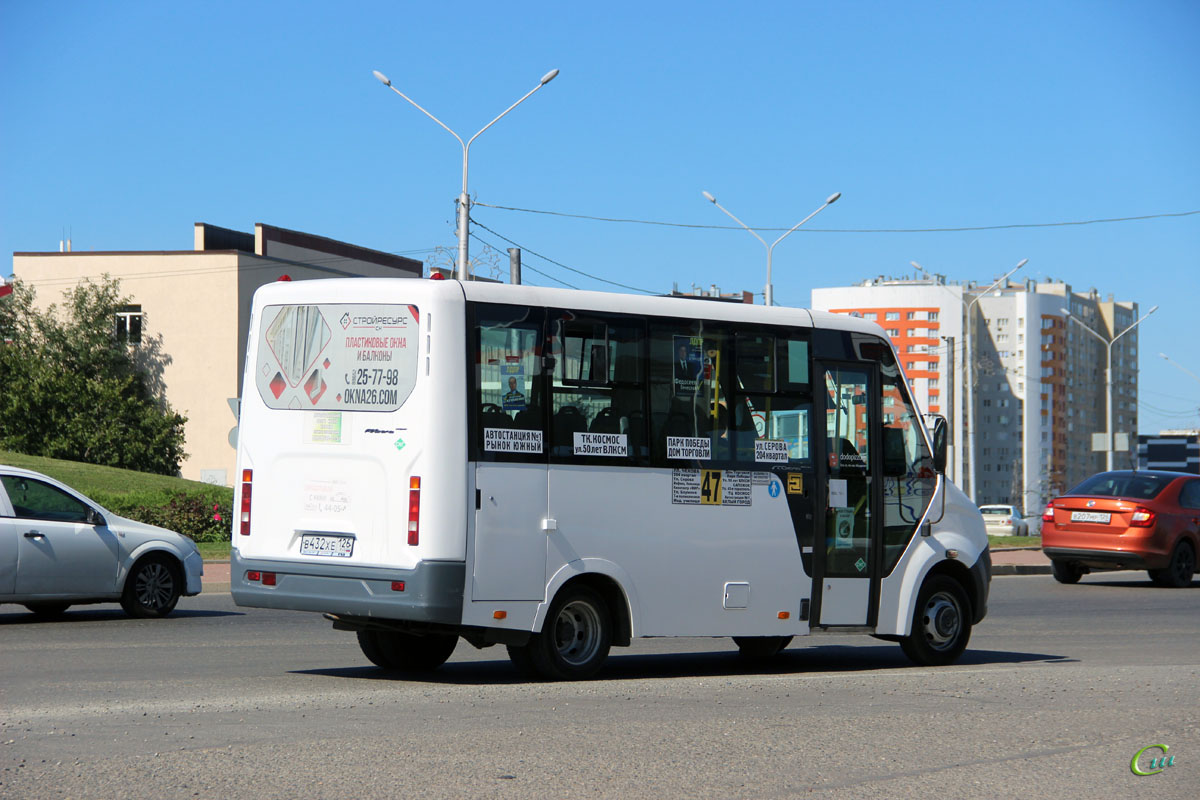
(337,357)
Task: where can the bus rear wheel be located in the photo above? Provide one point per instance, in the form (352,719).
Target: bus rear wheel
(575,639)
(407,652)
(941,623)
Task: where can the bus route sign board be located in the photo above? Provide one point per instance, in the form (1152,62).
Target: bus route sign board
(711,487)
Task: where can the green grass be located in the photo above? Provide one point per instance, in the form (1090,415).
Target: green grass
(214,551)
(1015,541)
(91,479)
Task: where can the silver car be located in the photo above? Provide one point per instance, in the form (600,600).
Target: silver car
(58,548)
(1002,520)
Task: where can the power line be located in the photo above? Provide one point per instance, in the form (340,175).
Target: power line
(559,263)
(491,246)
(843,230)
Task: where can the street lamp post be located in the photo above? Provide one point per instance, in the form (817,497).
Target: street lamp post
(1108,343)
(768,295)
(464,199)
(969,357)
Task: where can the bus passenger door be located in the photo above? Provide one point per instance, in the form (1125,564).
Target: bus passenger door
(510,545)
(848,588)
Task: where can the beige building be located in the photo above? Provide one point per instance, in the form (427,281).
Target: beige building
(192,308)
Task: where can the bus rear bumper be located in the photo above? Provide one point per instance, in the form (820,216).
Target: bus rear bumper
(432,592)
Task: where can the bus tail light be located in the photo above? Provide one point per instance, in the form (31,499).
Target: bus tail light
(1143,518)
(247,476)
(414,510)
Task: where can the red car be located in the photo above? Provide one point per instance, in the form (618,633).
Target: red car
(1126,520)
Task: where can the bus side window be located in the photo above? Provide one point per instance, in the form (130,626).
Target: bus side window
(508,382)
(774,400)
(910,479)
(597,388)
(690,369)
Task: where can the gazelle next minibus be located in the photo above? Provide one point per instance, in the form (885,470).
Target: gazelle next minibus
(562,471)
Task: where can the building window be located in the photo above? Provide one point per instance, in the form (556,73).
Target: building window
(893,315)
(912,331)
(893,332)
(933,315)
(129,325)
(911,315)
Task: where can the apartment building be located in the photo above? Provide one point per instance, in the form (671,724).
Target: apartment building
(1033,379)
(192,307)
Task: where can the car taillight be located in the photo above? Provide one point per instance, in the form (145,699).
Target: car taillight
(1142,518)
(247,475)
(1048,514)
(414,510)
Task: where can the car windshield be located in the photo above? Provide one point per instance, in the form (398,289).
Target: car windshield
(1140,486)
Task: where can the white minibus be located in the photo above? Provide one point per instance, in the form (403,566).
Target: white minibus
(562,471)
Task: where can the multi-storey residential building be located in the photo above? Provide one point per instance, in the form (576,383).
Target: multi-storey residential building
(1034,379)
(192,308)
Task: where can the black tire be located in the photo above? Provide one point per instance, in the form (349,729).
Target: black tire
(1179,570)
(407,652)
(760,648)
(1066,572)
(520,658)
(47,610)
(941,625)
(152,587)
(575,638)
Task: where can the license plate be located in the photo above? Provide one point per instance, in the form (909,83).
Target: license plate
(333,546)
(1090,516)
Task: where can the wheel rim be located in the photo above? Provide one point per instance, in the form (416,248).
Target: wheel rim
(154,586)
(941,621)
(577,633)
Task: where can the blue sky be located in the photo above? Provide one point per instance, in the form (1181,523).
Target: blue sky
(122,123)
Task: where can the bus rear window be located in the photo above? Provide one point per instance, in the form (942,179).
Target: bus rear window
(337,357)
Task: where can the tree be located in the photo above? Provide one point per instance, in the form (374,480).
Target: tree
(70,389)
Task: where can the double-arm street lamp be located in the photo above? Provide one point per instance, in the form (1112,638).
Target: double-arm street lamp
(464,199)
(969,356)
(1108,386)
(768,295)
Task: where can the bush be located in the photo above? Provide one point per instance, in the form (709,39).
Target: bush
(204,515)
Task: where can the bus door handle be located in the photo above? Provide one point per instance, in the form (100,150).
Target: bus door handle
(549,525)
(34,535)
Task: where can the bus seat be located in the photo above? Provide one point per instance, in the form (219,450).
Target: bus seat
(606,421)
(529,418)
(493,416)
(568,421)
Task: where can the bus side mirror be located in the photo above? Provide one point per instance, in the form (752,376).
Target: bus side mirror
(940,436)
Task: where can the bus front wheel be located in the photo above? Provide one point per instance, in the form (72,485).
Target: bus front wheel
(941,623)
(574,640)
(405,651)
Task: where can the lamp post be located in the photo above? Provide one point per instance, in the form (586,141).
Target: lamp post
(969,357)
(1108,343)
(464,200)
(768,295)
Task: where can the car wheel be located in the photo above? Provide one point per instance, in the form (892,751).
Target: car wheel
(48,610)
(407,652)
(152,587)
(1179,570)
(575,638)
(941,623)
(1066,572)
(760,648)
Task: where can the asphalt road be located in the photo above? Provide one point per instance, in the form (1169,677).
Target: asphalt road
(1061,687)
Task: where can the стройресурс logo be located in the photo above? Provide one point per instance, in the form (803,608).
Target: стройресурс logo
(1154,763)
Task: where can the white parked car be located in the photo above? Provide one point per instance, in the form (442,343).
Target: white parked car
(58,548)
(1001,520)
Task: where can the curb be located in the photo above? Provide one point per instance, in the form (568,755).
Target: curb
(1020,569)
